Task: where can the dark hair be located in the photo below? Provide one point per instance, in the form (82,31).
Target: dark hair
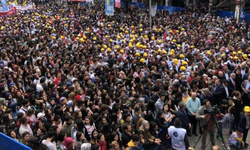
(50,134)
(78,135)
(177,123)
(135,138)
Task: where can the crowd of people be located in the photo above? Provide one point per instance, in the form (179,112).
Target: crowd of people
(73,78)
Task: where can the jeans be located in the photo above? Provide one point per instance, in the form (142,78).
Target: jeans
(225,134)
(238,145)
(219,132)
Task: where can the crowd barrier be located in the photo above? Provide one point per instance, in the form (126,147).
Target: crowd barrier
(8,143)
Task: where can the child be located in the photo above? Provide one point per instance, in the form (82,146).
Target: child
(236,139)
(226,123)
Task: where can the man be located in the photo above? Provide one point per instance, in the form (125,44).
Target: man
(206,123)
(244,123)
(219,92)
(231,82)
(178,136)
(137,115)
(182,115)
(193,103)
(134,144)
(246,91)
(67,126)
(126,134)
(215,147)
(206,94)
(160,103)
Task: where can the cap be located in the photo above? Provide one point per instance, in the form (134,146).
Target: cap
(246,109)
(40,115)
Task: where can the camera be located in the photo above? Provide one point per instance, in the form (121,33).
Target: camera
(212,110)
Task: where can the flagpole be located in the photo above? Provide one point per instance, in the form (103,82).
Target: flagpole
(150,17)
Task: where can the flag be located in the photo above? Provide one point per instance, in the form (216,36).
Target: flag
(153,10)
(4,4)
(165,36)
(117,3)
(109,7)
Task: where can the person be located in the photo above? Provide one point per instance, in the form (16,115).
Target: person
(182,115)
(193,103)
(135,144)
(178,136)
(215,147)
(48,141)
(236,139)
(126,134)
(244,123)
(206,123)
(227,122)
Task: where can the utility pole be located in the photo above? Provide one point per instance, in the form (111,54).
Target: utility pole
(150,17)
(210,6)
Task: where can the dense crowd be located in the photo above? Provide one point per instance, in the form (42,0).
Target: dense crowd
(74,78)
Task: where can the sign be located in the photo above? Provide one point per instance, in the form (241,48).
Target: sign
(242,13)
(4,5)
(109,7)
(117,3)
(11,11)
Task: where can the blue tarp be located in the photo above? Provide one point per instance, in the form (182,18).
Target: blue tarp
(231,14)
(171,9)
(136,4)
(8,143)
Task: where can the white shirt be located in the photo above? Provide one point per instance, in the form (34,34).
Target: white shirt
(177,135)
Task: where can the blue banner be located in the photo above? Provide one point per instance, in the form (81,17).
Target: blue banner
(8,143)
(109,7)
(4,5)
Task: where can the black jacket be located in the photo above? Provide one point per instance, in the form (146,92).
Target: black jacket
(183,117)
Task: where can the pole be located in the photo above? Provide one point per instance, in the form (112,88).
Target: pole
(150,17)
(210,6)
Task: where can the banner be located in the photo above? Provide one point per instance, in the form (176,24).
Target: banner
(117,3)
(20,7)
(109,7)
(153,10)
(7,143)
(4,5)
(11,11)
(78,0)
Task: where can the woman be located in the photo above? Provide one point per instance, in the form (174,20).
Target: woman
(25,138)
(80,138)
(89,125)
(101,141)
(32,117)
(150,141)
(114,136)
(168,116)
(13,135)
(93,139)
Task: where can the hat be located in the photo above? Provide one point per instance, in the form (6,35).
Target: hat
(40,115)
(183,68)
(182,56)
(246,109)
(70,103)
(86,146)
